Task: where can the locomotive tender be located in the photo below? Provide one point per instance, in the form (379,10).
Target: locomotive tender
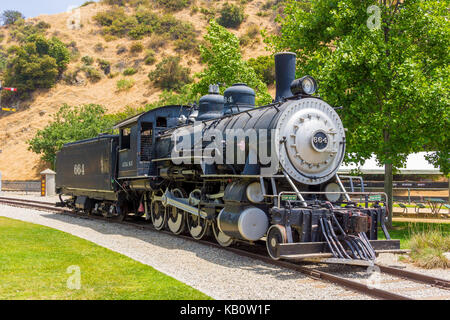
(239,173)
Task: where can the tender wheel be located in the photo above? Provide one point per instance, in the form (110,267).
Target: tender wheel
(158,215)
(197,226)
(176,217)
(275,235)
(221,238)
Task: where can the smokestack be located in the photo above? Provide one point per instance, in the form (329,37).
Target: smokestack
(284,74)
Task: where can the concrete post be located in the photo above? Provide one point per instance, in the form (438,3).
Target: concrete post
(48,183)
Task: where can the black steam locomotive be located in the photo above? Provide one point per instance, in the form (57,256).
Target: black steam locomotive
(239,173)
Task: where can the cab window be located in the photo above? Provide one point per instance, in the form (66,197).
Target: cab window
(125,138)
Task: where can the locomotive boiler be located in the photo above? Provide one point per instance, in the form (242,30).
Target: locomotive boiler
(237,172)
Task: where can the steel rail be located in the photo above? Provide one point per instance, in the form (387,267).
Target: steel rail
(316,274)
(415,276)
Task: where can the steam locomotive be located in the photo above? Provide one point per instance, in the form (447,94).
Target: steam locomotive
(232,171)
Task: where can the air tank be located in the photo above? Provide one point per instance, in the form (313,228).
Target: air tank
(239,97)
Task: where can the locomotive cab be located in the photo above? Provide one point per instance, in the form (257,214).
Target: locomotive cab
(137,139)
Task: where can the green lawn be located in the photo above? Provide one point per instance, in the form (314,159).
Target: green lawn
(404,230)
(34,262)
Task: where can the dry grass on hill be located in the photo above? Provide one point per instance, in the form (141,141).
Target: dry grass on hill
(17,163)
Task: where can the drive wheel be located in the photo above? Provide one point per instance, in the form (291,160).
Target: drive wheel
(221,238)
(158,215)
(275,235)
(197,226)
(176,218)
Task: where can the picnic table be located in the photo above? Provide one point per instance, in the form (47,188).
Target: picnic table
(435,204)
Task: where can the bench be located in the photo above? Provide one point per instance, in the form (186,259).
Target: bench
(446,206)
(404,207)
(418,207)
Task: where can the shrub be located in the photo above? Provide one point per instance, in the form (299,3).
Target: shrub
(121,49)
(174,5)
(136,47)
(208,13)
(9,17)
(182,30)
(149,57)
(92,74)
(99,47)
(105,66)
(36,64)
(252,31)
(43,25)
(87,3)
(244,40)
(87,60)
(231,16)
(169,74)
(264,67)
(106,18)
(115,2)
(70,77)
(129,71)
(125,84)
(157,41)
(428,248)
(21,30)
(187,44)
(109,37)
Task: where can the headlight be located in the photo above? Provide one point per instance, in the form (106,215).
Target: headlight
(332,187)
(306,85)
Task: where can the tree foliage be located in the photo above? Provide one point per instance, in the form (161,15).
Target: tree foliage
(264,67)
(36,64)
(70,124)
(231,16)
(392,80)
(9,17)
(169,74)
(225,65)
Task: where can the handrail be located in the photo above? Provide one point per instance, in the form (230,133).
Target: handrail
(337,192)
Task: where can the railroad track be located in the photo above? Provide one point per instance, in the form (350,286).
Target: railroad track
(257,253)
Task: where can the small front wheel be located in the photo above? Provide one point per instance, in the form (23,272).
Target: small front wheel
(275,235)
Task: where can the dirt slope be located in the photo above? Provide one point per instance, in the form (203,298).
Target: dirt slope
(16,162)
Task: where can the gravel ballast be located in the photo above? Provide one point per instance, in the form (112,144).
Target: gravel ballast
(217,273)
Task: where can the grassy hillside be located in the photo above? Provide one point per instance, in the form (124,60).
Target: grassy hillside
(128,56)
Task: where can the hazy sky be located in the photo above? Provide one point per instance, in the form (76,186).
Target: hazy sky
(33,8)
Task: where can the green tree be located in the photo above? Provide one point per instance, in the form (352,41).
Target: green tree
(70,124)
(36,64)
(223,58)
(264,67)
(10,17)
(387,64)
